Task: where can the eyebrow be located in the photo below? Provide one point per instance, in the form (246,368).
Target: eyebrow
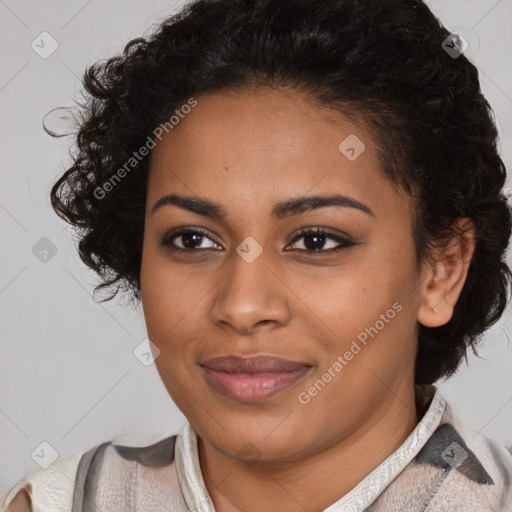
(281,210)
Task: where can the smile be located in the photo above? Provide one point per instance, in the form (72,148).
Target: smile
(250,380)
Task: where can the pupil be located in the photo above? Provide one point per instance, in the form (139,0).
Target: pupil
(319,241)
(186,240)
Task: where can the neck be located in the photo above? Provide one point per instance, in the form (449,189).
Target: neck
(316,481)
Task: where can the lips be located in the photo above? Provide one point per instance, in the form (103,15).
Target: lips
(256,364)
(252,379)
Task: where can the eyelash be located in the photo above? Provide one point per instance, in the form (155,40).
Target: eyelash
(344,243)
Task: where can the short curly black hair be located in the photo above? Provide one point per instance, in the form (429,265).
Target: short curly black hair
(385,62)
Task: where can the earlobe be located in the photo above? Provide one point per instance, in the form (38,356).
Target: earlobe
(445,278)
(436,316)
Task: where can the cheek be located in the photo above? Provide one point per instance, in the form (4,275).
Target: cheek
(373,306)
(166,294)
(347,297)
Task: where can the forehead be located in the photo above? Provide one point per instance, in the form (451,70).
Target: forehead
(244,122)
(263,144)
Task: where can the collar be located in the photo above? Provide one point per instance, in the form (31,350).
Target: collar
(361,496)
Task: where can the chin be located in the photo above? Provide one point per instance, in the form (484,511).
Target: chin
(257,443)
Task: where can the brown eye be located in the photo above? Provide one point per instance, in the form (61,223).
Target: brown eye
(316,240)
(190,238)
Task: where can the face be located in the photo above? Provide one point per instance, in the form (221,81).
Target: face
(247,280)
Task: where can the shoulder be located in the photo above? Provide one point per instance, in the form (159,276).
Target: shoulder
(60,486)
(44,489)
(492,455)
(476,470)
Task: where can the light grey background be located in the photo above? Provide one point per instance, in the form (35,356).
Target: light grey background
(68,375)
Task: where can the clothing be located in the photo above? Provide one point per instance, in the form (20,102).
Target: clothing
(441,467)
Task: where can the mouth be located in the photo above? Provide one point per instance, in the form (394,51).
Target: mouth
(249,380)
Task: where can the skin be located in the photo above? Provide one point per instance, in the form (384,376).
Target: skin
(247,150)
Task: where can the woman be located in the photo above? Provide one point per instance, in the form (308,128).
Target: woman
(306,197)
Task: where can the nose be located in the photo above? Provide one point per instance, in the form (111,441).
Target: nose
(250,295)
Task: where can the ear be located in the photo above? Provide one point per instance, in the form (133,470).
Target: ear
(443,277)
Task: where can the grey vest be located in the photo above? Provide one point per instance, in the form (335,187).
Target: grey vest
(144,479)
(124,479)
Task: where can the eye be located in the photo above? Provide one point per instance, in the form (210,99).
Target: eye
(191,238)
(316,239)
